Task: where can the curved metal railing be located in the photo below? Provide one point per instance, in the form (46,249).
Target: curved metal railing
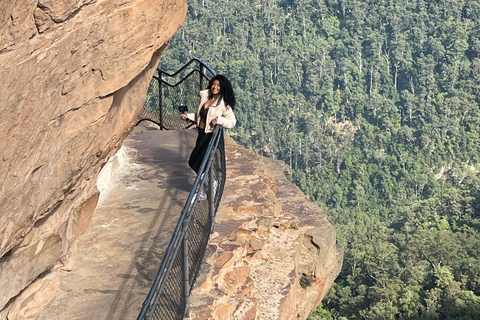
(169,295)
(168,91)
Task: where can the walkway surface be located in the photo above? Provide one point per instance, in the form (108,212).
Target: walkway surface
(118,255)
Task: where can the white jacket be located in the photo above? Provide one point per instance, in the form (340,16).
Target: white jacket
(218,109)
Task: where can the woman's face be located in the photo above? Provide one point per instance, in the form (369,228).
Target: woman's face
(215,88)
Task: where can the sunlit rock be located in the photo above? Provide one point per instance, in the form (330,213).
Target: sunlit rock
(273,254)
(74,76)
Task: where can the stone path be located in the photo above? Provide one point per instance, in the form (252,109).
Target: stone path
(119,253)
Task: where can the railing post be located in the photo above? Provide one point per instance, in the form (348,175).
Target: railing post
(202,70)
(211,191)
(160,105)
(186,284)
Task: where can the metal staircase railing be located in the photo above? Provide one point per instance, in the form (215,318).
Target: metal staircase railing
(169,295)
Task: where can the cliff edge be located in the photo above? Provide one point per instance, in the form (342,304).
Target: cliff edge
(273,254)
(74,78)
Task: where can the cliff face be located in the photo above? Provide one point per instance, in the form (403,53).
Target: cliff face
(74,76)
(273,254)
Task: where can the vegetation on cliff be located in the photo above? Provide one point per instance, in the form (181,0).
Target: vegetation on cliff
(375,105)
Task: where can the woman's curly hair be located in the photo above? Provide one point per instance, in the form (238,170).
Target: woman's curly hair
(226,90)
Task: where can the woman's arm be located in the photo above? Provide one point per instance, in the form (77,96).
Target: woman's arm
(227,119)
(188,116)
(191,116)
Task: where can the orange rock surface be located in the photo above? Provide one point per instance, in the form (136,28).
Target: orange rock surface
(74,76)
(268,235)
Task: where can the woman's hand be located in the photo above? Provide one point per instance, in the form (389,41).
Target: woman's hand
(183,116)
(213,122)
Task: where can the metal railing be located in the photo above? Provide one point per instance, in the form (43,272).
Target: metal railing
(169,296)
(168,91)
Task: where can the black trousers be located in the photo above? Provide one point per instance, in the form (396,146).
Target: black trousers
(198,153)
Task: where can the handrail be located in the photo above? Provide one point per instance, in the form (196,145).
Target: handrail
(199,61)
(160,105)
(168,297)
(180,232)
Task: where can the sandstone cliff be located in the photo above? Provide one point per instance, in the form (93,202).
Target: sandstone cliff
(74,75)
(273,254)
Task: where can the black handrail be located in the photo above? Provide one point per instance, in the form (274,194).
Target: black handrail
(163,99)
(199,61)
(168,297)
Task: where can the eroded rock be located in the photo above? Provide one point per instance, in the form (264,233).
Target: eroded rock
(273,254)
(74,78)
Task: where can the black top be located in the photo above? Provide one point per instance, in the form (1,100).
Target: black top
(203,116)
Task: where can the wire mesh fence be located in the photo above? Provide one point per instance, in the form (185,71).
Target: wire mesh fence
(168,298)
(150,110)
(171,306)
(171,94)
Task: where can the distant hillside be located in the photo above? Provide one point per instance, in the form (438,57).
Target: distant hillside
(375,105)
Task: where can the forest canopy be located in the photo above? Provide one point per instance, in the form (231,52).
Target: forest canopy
(375,106)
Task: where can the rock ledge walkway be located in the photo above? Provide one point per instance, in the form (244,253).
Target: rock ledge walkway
(118,255)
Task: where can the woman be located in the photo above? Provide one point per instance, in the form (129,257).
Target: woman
(216,107)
